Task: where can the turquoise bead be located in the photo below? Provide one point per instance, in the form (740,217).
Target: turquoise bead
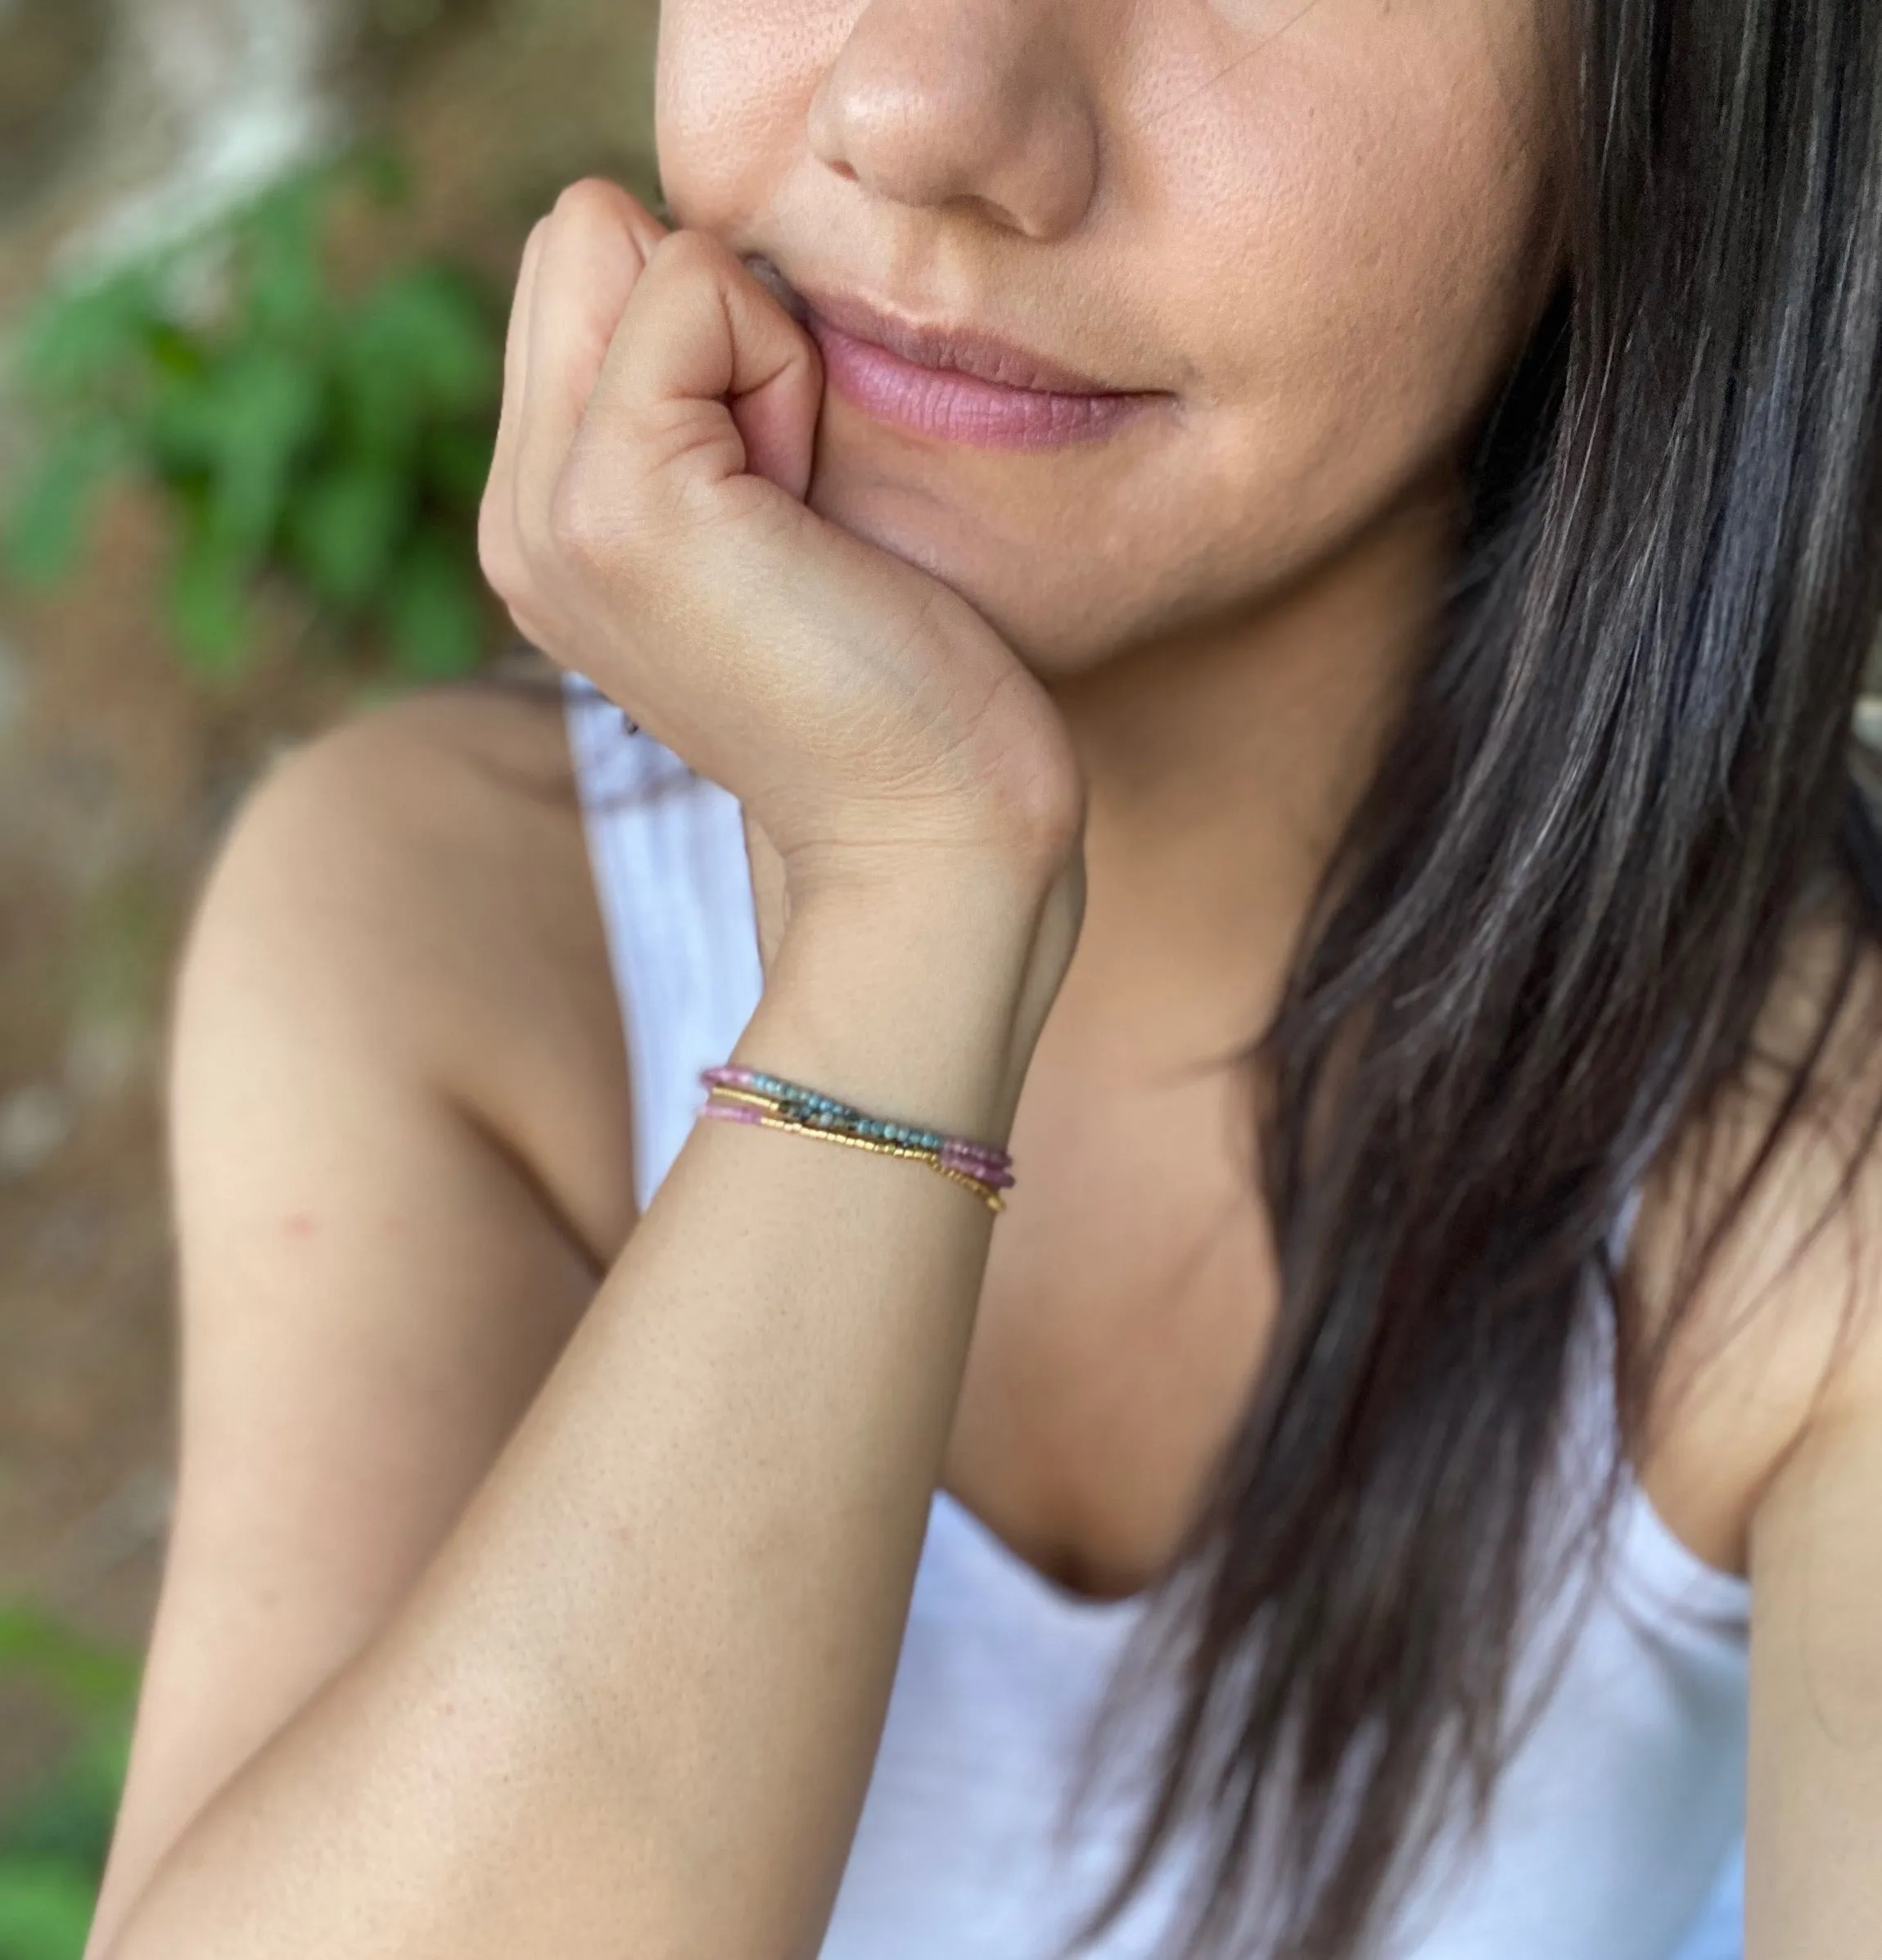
(828,1113)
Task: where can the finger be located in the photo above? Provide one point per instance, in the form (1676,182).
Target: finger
(517,341)
(700,331)
(594,245)
(497,518)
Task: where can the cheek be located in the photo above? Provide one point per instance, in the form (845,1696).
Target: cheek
(1364,246)
(1335,229)
(1346,237)
(732,83)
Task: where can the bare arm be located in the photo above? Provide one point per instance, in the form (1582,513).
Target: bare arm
(374,1280)
(1815,1815)
(1785,1371)
(1814,1809)
(632,1703)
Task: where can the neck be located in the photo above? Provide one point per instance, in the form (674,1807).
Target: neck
(1222,763)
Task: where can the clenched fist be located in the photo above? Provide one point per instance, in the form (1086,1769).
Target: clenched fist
(645,523)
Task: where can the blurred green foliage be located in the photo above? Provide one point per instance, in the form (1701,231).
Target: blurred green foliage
(53,1840)
(338,441)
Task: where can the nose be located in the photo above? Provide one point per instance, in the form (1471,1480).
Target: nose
(932,103)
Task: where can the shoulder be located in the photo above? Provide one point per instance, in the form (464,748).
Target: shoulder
(1815,1745)
(427,781)
(421,870)
(1767,1295)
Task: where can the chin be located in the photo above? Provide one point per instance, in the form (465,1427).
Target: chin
(1058,624)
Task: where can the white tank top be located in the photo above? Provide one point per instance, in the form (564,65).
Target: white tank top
(1616,1833)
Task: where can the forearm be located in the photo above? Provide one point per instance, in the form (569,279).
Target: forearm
(632,1707)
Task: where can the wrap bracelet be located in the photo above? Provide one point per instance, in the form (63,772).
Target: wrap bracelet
(735,1094)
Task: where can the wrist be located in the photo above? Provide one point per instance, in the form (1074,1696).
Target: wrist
(920,1001)
(958,877)
(1019,844)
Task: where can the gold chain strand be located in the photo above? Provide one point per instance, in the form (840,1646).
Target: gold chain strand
(760,1099)
(879,1145)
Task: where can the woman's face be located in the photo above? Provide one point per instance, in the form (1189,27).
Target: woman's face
(1316,232)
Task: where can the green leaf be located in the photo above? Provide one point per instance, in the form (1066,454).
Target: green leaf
(69,1818)
(457,463)
(87,1678)
(75,341)
(261,412)
(239,428)
(295,430)
(209,603)
(434,610)
(45,529)
(279,260)
(421,344)
(45,1911)
(343,529)
(180,426)
(174,350)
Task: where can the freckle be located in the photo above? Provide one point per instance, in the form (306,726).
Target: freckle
(298,1224)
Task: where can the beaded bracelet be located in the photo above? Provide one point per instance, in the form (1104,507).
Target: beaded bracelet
(748,1095)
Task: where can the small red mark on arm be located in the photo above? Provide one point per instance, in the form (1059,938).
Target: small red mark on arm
(298,1225)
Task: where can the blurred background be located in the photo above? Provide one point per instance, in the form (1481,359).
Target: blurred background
(255,260)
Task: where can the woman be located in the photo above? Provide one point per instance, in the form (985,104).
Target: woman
(1246,616)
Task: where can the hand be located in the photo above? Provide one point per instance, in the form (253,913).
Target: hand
(645,523)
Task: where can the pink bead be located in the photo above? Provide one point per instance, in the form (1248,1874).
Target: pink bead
(981,1161)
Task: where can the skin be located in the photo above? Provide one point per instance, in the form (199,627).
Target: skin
(1275,237)
(401,1123)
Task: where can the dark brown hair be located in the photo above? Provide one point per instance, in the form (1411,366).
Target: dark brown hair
(1623,783)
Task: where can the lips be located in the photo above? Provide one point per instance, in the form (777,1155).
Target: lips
(955,407)
(955,382)
(959,348)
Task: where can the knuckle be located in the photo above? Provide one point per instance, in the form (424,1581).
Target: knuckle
(681,252)
(578,192)
(589,199)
